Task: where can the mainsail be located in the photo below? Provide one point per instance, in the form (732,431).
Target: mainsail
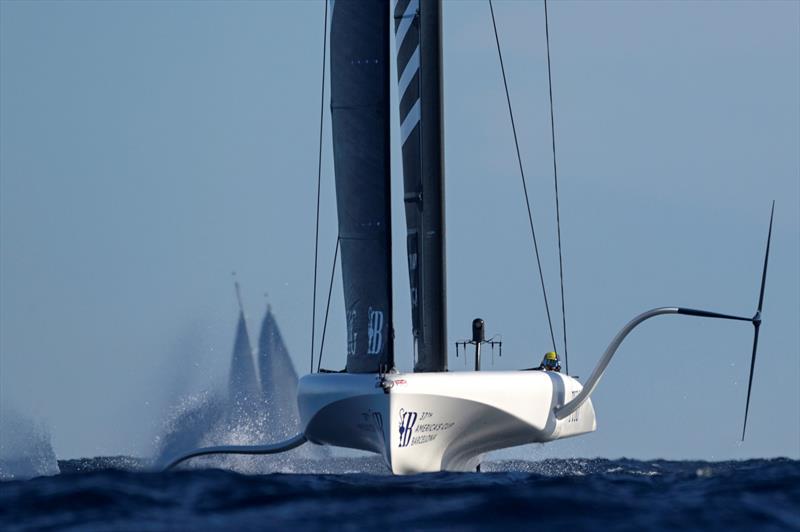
(361,144)
(243,389)
(278,379)
(419,70)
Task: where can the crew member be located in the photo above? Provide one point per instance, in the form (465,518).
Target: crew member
(550,362)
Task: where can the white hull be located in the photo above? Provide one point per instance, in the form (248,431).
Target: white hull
(427,422)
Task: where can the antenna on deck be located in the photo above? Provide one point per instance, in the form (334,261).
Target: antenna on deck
(478,339)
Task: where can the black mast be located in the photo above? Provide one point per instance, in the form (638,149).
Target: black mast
(418,28)
(433,349)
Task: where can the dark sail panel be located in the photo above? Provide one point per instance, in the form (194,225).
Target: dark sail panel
(360,121)
(419,73)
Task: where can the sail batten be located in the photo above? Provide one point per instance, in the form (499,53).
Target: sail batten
(361,148)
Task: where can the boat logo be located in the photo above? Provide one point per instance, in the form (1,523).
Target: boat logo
(351,333)
(407,422)
(375,331)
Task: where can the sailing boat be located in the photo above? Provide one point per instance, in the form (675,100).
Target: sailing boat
(430,419)
(271,393)
(278,380)
(243,388)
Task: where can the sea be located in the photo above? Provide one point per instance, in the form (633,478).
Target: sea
(356,493)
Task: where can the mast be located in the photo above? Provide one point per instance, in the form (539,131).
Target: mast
(418,29)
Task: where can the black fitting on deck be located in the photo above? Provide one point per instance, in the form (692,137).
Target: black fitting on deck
(478,333)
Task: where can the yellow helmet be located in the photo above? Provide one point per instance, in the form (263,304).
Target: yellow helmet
(551,356)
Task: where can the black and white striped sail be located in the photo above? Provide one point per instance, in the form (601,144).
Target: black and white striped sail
(417,28)
(360,121)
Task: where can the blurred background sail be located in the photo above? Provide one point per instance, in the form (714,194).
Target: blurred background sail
(243,389)
(278,380)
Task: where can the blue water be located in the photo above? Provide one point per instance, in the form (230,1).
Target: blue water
(102,494)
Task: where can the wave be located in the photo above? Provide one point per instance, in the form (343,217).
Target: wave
(512,494)
(26,450)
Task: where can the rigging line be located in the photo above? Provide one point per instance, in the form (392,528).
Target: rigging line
(555,180)
(319,182)
(522,175)
(328,304)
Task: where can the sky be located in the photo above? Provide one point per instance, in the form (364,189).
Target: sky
(149,149)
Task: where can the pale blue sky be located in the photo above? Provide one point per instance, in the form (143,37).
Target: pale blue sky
(147,149)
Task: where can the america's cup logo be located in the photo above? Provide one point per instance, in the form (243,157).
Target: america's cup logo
(375,331)
(407,422)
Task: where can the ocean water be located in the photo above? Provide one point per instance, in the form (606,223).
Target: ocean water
(356,493)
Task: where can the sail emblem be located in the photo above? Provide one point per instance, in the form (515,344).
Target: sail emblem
(352,335)
(375,331)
